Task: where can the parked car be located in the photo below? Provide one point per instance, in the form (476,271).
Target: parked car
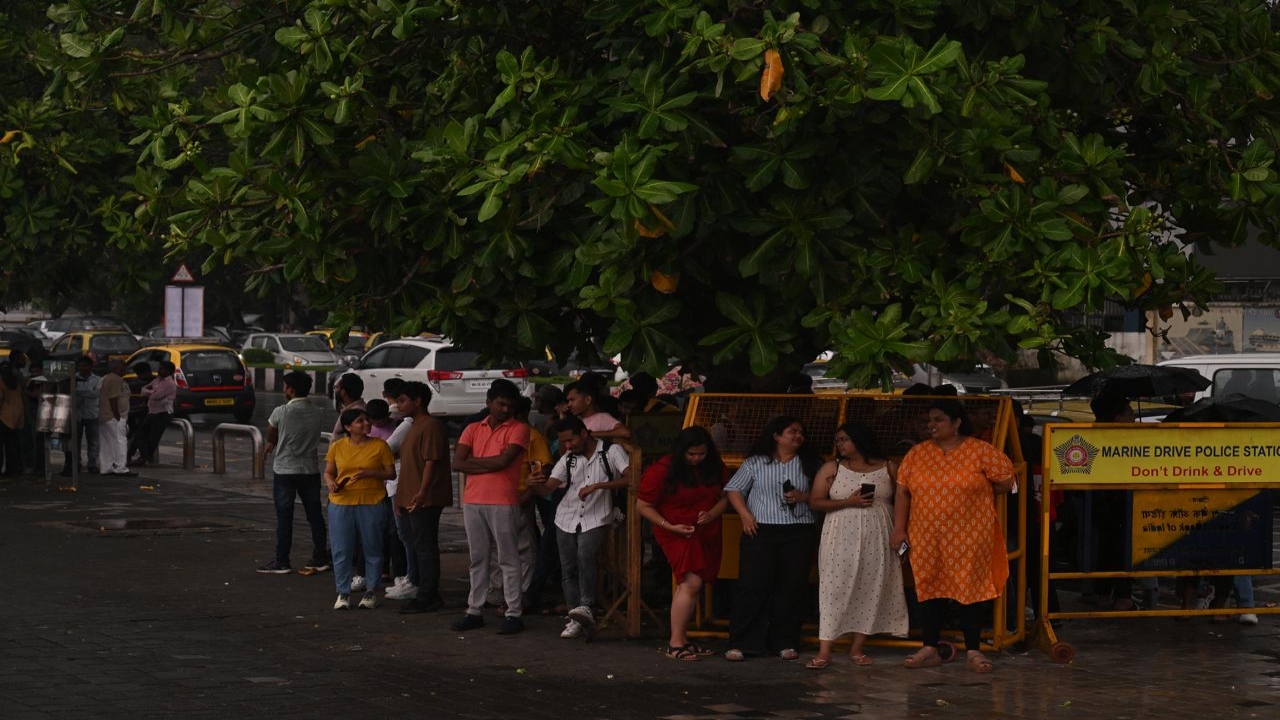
(294,349)
(211,378)
(353,348)
(1256,374)
(458,383)
(30,339)
(57,327)
(822,383)
(980,380)
(100,345)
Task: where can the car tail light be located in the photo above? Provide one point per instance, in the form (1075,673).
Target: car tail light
(515,373)
(180,378)
(438,375)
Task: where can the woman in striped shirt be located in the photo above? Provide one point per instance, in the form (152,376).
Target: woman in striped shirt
(770,493)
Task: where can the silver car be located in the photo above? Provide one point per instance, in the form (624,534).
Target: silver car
(293,349)
(458,384)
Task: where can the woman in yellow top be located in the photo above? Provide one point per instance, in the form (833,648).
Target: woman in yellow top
(357,467)
(945,512)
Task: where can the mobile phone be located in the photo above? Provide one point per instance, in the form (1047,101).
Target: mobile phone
(535,467)
(787,486)
(868,488)
(903,548)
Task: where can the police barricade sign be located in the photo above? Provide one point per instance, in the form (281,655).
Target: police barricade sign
(1197,501)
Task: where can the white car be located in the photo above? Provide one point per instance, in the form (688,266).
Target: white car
(293,349)
(458,384)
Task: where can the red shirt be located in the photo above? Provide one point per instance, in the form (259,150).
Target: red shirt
(494,488)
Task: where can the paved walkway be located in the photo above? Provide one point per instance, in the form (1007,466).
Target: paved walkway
(175,623)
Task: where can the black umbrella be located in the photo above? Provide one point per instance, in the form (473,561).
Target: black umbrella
(1233,407)
(1139,381)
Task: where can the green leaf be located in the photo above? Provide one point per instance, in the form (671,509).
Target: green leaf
(746,48)
(75,46)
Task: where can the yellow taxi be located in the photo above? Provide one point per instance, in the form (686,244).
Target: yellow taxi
(100,344)
(211,378)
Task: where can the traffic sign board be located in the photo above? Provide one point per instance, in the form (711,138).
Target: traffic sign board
(183,275)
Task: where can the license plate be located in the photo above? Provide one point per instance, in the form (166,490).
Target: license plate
(479,384)
(220,401)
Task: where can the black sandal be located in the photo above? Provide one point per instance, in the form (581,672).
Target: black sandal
(680,653)
(699,650)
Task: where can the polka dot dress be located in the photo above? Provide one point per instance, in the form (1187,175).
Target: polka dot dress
(859,577)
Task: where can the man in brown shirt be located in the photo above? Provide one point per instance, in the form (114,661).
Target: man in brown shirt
(113,422)
(425,490)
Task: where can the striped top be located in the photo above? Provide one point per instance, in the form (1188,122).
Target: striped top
(760,481)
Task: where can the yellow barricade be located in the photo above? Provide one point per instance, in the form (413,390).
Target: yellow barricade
(1198,504)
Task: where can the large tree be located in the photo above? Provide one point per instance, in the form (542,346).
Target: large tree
(744,183)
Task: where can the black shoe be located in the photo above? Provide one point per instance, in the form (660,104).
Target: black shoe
(468,622)
(510,625)
(318,565)
(275,567)
(418,605)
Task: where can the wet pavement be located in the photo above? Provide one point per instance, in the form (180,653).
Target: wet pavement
(138,598)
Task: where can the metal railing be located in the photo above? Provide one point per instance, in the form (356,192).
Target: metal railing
(188,442)
(220,448)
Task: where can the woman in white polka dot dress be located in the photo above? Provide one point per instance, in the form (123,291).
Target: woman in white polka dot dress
(859,576)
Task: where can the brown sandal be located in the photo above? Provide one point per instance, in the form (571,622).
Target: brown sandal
(863,660)
(979,663)
(926,656)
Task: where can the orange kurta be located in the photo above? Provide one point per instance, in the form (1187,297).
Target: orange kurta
(957,549)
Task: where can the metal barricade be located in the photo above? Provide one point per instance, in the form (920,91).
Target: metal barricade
(188,442)
(220,448)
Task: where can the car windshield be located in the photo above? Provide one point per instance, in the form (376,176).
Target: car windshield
(305,343)
(113,343)
(210,361)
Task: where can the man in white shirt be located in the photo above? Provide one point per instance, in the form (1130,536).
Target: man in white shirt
(88,386)
(589,470)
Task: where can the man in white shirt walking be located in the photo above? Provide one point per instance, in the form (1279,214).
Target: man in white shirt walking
(589,471)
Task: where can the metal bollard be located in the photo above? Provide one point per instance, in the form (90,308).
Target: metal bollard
(188,442)
(220,448)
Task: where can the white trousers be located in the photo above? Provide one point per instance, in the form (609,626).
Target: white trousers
(113,446)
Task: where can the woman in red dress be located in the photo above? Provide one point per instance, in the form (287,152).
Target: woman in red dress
(682,495)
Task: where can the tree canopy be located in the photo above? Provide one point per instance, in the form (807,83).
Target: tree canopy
(741,183)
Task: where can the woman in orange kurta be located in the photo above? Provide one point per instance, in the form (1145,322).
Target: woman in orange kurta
(945,512)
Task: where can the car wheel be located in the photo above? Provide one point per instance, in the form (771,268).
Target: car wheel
(243,414)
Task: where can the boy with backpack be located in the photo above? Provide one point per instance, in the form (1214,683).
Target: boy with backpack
(589,469)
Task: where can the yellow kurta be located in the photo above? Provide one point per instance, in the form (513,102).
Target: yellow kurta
(957,549)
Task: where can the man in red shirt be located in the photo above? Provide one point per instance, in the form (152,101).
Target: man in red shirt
(489,452)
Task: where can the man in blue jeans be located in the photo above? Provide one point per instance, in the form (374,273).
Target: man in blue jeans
(293,431)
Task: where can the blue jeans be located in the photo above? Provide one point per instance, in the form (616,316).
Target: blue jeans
(1244,591)
(349,524)
(406,538)
(307,488)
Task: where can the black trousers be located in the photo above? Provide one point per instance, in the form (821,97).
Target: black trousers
(971,619)
(773,577)
(306,487)
(424,535)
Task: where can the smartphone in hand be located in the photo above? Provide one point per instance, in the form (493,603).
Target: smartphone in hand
(868,488)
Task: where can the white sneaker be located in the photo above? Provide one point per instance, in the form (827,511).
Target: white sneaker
(1247,619)
(357,583)
(400,580)
(369,601)
(342,603)
(403,591)
(572,630)
(582,614)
